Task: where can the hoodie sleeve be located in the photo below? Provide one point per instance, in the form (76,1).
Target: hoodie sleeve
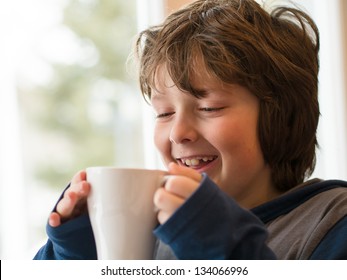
(211,225)
(73,240)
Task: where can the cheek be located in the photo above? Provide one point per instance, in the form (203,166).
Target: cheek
(238,139)
(157,138)
(161,141)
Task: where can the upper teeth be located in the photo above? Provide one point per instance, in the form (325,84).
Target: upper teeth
(196,161)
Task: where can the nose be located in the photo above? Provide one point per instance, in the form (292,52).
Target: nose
(183,130)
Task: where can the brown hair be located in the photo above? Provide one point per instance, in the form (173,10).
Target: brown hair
(273,54)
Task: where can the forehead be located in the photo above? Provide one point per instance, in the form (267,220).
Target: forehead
(196,78)
(206,87)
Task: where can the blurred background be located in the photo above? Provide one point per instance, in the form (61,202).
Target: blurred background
(68,100)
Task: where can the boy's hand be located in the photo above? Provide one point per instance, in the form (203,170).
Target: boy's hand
(180,184)
(74,202)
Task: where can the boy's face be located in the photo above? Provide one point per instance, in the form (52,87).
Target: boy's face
(216,134)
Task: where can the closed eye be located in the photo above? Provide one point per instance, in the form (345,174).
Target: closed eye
(164,115)
(211,109)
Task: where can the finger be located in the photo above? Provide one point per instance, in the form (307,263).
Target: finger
(74,201)
(166,201)
(163,216)
(167,204)
(181,186)
(81,189)
(78,184)
(176,169)
(79,176)
(54,219)
(66,206)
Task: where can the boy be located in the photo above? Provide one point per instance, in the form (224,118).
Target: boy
(234,90)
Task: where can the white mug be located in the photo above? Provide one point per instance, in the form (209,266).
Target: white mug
(121,211)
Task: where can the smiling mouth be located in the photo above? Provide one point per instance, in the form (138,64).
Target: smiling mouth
(197,162)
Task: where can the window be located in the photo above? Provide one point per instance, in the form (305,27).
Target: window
(67,102)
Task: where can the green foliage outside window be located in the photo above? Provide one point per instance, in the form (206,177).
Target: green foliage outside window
(78,116)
